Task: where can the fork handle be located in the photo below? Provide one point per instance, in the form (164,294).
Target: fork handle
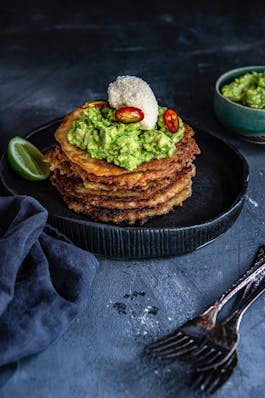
(257,267)
(250,275)
(234,320)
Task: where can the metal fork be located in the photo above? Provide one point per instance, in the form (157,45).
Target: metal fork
(210,378)
(223,339)
(188,341)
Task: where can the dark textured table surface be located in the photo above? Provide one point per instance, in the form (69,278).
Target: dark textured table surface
(53,58)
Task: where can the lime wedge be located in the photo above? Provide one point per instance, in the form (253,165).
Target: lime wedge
(26,160)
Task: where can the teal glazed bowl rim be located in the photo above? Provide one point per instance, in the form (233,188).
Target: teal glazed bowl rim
(226,77)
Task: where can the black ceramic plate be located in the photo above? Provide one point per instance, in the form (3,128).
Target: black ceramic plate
(218,194)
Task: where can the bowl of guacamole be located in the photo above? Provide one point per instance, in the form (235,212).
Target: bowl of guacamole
(239,102)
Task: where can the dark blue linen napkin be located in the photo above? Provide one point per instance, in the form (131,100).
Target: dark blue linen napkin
(44,281)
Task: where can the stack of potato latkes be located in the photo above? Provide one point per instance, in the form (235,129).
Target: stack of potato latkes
(109,193)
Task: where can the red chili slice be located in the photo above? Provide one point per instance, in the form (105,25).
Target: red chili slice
(95,104)
(171,120)
(129,114)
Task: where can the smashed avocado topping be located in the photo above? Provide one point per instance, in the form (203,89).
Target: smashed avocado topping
(248,90)
(99,134)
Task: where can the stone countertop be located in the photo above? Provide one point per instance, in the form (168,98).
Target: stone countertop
(55,57)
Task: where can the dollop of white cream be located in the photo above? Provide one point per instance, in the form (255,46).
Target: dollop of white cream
(133,91)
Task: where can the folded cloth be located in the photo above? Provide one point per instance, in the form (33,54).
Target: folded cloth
(44,281)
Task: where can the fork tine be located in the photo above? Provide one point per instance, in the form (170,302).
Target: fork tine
(190,356)
(191,352)
(200,381)
(211,380)
(220,375)
(170,338)
(202,355)
(207,363)
(176,352)
(188,353)
(225,373)
(194,354)
(174,345)
(197,379)
(215,376)
(179,342)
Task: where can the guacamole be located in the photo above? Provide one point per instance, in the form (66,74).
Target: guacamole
(99,134)
(248,90)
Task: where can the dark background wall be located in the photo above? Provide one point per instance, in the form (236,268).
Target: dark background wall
(56,55)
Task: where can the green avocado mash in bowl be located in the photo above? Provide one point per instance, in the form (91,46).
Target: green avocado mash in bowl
(125,144)
(239,102)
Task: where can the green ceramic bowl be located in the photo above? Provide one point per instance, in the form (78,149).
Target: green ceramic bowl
(248,122)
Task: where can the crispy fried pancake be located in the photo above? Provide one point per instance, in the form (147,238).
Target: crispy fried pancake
(130,216)
(60,165)
(128,181)
(74,188)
